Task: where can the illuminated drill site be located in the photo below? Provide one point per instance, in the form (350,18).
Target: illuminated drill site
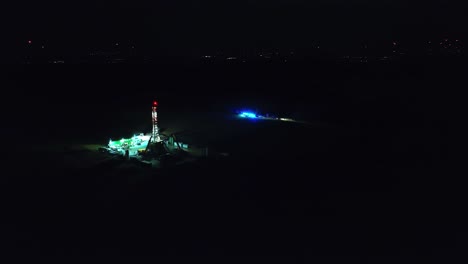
(152,146)
(139,143)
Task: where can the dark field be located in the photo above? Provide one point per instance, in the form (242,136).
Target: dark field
(374,178)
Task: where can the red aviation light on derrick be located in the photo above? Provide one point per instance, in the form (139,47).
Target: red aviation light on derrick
(155,103)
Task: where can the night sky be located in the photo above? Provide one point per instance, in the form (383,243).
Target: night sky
(184,25)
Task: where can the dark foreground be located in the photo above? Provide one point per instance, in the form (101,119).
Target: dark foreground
(377,183)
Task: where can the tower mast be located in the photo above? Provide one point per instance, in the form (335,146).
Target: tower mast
(156,146)
(155,133)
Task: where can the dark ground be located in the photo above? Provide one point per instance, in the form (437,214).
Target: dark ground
(379,182)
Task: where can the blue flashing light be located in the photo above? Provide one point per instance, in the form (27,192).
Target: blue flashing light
(248,115)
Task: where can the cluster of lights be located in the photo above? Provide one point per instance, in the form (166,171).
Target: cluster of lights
(136,140)
(252,115)
(248,115)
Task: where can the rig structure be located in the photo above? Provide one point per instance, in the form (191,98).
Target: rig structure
(155,132)
(156,146)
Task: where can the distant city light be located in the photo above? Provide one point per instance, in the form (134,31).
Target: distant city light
(29,41)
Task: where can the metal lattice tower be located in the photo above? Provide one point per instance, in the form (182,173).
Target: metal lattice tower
(155,133)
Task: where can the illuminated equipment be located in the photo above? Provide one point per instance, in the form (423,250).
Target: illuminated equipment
(252,115)
(136,142)
(248,115)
